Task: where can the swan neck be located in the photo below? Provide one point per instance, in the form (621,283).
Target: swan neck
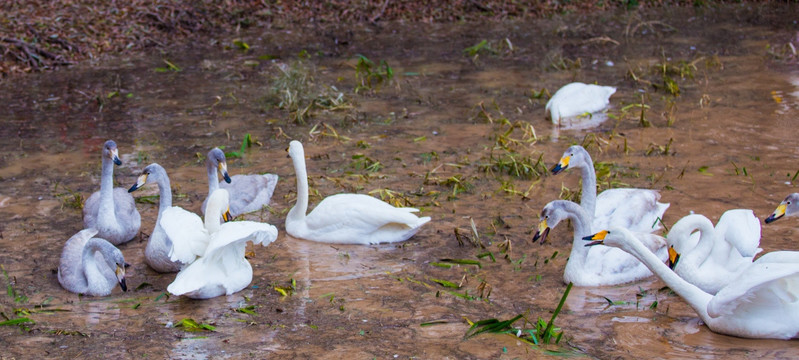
(213,179)
(582,227)
(588,197)
(694,296)
(301,207)
(107,187)
(165,194)
(89,262)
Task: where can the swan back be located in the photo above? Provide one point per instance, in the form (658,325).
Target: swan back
(578,98)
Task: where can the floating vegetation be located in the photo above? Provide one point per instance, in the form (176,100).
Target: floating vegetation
(516,165)
(189,324)
(368,75)
(169,67)
(462,262)
(395,198)
(784,53)
(456,182)
(655,149)
(287,290)
(363,162)
(294,90)
(246,143)
(68,198)
(543,332)
(249,310)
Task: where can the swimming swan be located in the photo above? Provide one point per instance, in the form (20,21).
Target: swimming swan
(576,99)
(222,268)
(595,266)
(111,210)
(718,255)
(91,266)
(156,254)
(248,193)
(761,303)
(635,209)
(346,218)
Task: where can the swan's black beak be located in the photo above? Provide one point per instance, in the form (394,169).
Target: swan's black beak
(597,238)
(140,181)
(674,257)
(542,232)
(120,272)
(115,157)
(223,170)
(780,212)
(562,165)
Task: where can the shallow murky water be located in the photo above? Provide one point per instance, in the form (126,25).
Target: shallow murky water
(737,111)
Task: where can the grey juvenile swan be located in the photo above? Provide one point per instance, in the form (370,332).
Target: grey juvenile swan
(111,210)
(248,193)
(90,265)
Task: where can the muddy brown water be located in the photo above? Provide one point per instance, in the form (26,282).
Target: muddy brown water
(738,111)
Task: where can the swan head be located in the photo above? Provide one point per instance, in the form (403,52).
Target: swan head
(216,159)
(575,156)
(111,152)
(552,214)
(295,150)
(148,175)
(674,257)
(788,207)
(116,261)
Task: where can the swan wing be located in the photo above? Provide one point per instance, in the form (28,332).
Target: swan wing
(358,212)
(635,209)
(187,233)
(240,232)
(768,285)
(249,193)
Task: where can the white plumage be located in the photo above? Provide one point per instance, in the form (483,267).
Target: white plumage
(576,99)
(346,218)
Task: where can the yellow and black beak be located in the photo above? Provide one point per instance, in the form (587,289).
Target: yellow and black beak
(114,153)
(223,170)
(120,272)
(140,181)
(596,239)
(542,232)
(674,257)
(226,215)
(780,212)
(562,165)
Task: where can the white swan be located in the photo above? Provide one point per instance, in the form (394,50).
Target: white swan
(346,218)
(595,266)
(576,99)
(788,207)
(111,210)
(718,255)
(156,254)
(762,302)
(222,268)
(635,209)
(90,265)
(248,193)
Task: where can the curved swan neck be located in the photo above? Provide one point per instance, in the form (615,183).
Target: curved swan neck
(702,249)
(694,296)
(301,206)
(89,261)
(107,187)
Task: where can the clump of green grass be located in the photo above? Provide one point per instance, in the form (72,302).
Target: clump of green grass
(363,162)
(541,332)
(369,75)
(68,198)
(515,164)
